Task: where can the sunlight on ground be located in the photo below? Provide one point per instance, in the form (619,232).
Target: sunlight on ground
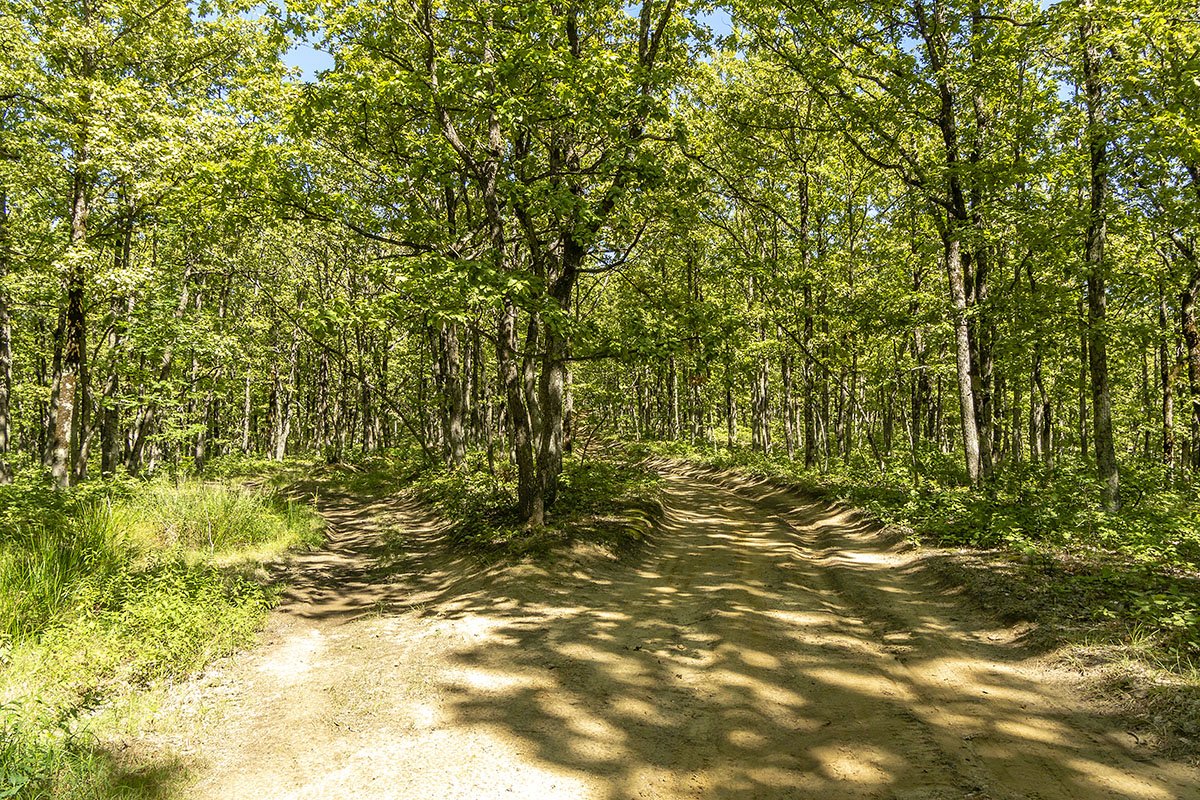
(750,658)
(296,657)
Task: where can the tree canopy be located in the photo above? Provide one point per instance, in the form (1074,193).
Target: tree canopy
(935,236)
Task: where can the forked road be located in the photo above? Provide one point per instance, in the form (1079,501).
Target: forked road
(761,648)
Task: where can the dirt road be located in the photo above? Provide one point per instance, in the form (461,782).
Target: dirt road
(762,648)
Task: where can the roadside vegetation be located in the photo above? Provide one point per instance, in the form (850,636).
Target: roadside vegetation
(110,589)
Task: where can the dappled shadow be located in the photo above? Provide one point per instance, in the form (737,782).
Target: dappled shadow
(380,556)
(764,647)
(114,769)
(766,650)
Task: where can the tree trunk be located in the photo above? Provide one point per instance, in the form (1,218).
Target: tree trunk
(110,412)
(788,403)
(247,412)
(962,352)
(982,365)
(730,411)
(6,474)
(147,415)
(672,399)
(810,422)
(529,496)
(1191,340)
(554,373)
(760,407)
(454,398)
(63,428)
(1167,376)
(1097,140)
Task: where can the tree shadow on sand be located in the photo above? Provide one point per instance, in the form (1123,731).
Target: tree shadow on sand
(764,648)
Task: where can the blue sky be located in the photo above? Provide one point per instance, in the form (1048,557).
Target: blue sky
(309,59)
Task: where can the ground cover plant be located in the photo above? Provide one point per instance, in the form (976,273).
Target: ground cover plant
(608,500)
(109,589)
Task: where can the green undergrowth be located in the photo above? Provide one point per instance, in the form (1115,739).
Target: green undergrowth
(113,587)
(608,500)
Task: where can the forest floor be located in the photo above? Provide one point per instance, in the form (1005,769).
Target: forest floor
(759,647)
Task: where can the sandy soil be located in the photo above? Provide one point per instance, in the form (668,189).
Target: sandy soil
(761,648)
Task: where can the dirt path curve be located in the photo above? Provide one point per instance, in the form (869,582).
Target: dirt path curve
(762,648)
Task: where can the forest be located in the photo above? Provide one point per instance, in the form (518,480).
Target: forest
(936,259)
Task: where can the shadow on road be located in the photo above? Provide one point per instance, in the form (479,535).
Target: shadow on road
(763,648)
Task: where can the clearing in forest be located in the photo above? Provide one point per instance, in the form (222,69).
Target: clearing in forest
(759,648)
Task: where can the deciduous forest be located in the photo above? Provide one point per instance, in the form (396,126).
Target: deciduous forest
(524,265)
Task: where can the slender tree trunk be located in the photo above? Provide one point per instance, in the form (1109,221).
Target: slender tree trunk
(788,404)
(922,422)
(322,423)
(962,351)
(982,365)
(63,428)
(284,392)
(1191,340)
(1041,411)
(1097,139)
(810,390)
(568,423)
(1082,387)
(760,407)
(730,411)
(1167,376)
(454,398)
(806,245)
(247,413)
(6,474)
(529,378)
(110,411)
(672,399)
(147,415)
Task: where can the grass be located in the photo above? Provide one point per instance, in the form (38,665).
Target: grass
(109,589)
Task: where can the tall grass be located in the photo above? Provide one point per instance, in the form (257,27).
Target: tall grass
(43,564)
(215,517)
(103,592)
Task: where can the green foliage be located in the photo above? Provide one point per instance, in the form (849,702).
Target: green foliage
(103,590)
(42,565)
(216,517)
(57,547)
(478,503)
(43,755)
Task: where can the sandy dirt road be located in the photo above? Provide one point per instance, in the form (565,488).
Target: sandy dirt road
(762,647)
